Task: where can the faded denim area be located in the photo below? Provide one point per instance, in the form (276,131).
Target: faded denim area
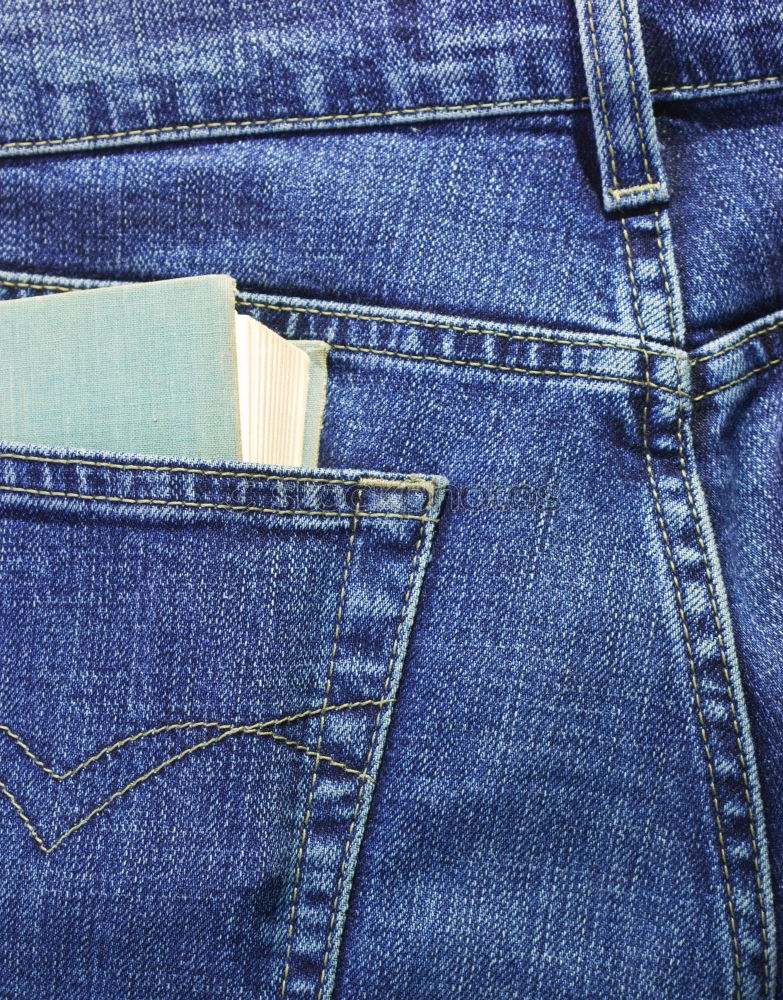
(579,793)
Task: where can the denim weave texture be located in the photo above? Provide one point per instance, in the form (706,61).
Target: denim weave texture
(504,719)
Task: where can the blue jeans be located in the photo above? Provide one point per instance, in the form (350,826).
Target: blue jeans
(489,705)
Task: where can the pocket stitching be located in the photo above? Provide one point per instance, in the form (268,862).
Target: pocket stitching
(256,729)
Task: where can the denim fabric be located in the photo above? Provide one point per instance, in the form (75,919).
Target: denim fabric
(579,795)
(192,659)
(144,71)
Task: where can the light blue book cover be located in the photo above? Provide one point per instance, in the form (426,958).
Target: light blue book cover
(147,368)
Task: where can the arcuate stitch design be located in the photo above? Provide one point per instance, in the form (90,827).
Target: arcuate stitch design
(223,731)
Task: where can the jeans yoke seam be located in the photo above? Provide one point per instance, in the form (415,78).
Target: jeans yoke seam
(740,343)
(394,321)
(368,115)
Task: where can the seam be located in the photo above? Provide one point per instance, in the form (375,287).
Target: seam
(297,120)
(679,391)
(502,368)
(257,729)
(367,763)
(649,352)
(412,483)
(174,727)
(393,321)
(430,325)
(618,193)
(224,473)
(210,506)
(651,185)
(729,691)
(725,350)
(359,115)
(36,284)
(737,381)
(688,645)
(602,95)
(314,779)
(709,86)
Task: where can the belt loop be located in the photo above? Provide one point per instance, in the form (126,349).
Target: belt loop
(629,154)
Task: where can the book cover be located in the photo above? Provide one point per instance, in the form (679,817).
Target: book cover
(147,368)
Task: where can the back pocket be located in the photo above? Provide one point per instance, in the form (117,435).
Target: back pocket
(197,670)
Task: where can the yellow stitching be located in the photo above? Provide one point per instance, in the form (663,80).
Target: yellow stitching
(502,368)
(23,816)
(688,646)
(618,193)
(427,325)
(739,343)
(339,314)
(314,779)
(708,86)
(256,729)
(427,357)
(36,284)
(368,762)
(601,94)
(726,675)
(318,755)
(298,120)
(394,321)
(651,185)
(224,473)
(173,727)
(209,506)
(736,381)
(359,115)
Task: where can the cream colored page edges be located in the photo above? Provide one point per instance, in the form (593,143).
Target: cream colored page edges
(273,379)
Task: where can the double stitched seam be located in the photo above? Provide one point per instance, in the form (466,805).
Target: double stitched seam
(737,381)
(367,115)
(456,327)
(744,340)
(691,661)
(256,729)
(649,352)
(314,779)
(651,184)
(662,524)
(244,508)
(344,314)
(723,651)
(223,473)
(501,368)
(393,321)
(368,763)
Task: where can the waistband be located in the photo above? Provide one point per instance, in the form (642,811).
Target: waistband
(107,73)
